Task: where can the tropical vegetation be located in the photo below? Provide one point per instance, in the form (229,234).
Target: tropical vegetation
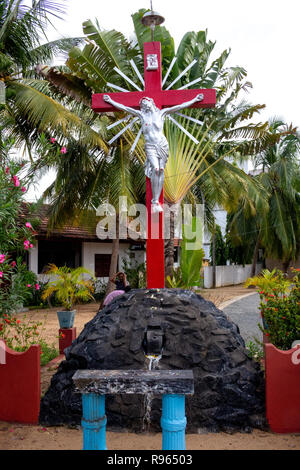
(69,285)
(48,109)
(188,274)
(17,236)
(276,227)
(279,306)
(221,132)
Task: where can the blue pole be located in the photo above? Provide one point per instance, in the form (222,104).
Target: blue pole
(93,421)
(173,422)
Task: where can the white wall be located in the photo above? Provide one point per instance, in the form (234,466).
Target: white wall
(228,275)
(33,258)
(89,250)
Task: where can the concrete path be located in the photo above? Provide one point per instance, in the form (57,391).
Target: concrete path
(245,313)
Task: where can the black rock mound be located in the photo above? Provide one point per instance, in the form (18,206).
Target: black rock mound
(229,386)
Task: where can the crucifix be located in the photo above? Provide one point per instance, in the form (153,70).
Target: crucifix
(150,106)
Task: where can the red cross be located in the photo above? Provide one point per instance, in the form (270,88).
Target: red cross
(162,99)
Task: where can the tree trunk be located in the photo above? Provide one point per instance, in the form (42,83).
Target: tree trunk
(285,266)
(255,256)
(169,249)
(114,259)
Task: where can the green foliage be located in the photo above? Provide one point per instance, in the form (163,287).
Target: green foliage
(275,224)
(238,252)
(188,274)
(68,285)
(99,287)
(16,234)
(220,248)
(136,273)
(255,350)
(47,352)
(19,335)
(267,281)
(280,310)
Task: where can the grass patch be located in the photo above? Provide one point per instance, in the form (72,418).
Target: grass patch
(48,352)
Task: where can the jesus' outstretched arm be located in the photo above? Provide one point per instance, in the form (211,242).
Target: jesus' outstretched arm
(120,106)
(178,107)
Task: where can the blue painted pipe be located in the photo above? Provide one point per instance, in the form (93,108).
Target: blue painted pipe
(93,422)
(173,422)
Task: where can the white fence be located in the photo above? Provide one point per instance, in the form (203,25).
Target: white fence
(228,275)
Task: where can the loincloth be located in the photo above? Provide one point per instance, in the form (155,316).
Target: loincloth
(160,151)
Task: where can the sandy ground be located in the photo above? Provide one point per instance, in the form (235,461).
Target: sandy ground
(27,437)
(24,437)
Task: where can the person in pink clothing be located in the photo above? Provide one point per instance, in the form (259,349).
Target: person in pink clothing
(122,286)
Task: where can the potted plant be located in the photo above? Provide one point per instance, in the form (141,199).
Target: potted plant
(69,286)
(280,310)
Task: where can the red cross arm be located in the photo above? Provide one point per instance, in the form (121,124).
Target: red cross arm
(162,99)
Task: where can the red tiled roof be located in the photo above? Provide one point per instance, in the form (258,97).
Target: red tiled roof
(82,229)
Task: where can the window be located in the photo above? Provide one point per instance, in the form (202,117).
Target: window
(102,265)
(60,253)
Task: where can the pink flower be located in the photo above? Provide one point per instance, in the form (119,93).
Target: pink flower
(37,287)
(26,244)
(7,170)
(13,264)
(16,181)
(28,285)
(28,225)
(1,274)
(31,245)
(23,189)
(2,259)
(63,150)
(52,140)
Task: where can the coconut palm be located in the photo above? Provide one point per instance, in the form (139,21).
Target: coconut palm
(223,132)
(29,106)
(277,230)
(76,195)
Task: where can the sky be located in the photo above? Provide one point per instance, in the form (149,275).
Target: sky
(263,35)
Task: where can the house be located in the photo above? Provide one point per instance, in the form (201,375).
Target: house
(77,244)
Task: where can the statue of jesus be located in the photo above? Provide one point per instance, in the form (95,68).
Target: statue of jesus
(156,144)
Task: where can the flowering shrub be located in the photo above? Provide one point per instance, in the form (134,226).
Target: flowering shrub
(19,335)
(16,235)
(280,311)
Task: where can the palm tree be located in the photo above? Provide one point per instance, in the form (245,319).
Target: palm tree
(277,229)
(224,132)
(30,106)
(76,195)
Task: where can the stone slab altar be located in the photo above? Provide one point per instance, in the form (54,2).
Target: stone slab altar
(157,382)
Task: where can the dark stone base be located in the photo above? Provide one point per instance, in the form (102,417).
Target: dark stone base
(229,386)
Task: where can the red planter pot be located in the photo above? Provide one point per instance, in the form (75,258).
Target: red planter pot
(282,388)
(20,384)
(66,338)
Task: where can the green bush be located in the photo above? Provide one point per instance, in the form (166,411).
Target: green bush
(280,310)
(47,352)
(188,274)
(16,235)
(136,273)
